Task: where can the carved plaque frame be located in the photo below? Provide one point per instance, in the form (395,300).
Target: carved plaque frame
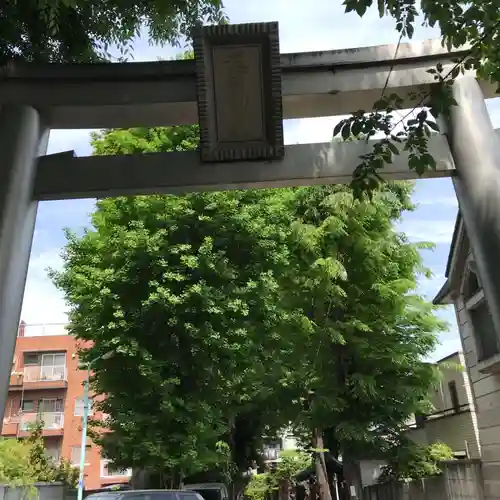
(238,83)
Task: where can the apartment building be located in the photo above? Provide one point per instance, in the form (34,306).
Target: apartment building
(481,348)
(46,384)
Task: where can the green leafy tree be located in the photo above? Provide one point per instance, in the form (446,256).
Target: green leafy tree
(25,462)
(15,468)
(83,30)
(40,462)
(281,479)
(413,461)
(364,326)
(233,314)
(185,292)
(43,468)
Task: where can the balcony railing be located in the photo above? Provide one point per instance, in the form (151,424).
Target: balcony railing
(271,453)
(51,420)
(42,330)
(39,373)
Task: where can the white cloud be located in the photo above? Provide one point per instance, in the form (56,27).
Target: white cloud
(440,231)
(430,287)
(310,130)
(447,201)
(43,303)
(66,140)
(447,346)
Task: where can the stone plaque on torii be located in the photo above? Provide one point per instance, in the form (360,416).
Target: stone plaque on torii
(242,88)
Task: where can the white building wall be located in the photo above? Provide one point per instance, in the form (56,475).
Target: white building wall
(486,392)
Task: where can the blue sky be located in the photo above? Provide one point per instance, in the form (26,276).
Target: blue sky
(318,25)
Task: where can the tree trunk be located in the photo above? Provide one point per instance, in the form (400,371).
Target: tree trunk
(320,465)
(284,490)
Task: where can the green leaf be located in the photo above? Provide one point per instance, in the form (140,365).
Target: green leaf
(346,131)
(361,8)
(393,148)
(356,128)
(433,125)
(338,128)
(381,8)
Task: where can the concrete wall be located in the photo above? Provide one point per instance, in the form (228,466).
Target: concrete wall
(486,391)
(370,471)
(456,430)
(461,480)
(441,397)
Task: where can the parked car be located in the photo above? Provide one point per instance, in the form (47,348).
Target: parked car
(209,491)
(146,495)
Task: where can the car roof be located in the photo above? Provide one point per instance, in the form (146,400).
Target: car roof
(205,485)
(147,491)
(135,492)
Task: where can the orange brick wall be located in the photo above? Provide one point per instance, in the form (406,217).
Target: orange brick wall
(71,435)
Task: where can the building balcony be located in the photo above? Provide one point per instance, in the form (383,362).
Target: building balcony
(271,453)
(42,330)
(16,380)
(39,377)
(53,423)
(10,426)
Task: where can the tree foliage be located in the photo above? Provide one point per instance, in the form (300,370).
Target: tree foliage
(413,461)
(84,30)
(475,23)
(25,462)
(233,314)
(185,292)
(15,467)
(291,462)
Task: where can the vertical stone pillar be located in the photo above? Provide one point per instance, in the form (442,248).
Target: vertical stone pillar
(476,151)
(21,140)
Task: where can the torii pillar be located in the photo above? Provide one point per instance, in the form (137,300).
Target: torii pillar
(22,138)
(476,151)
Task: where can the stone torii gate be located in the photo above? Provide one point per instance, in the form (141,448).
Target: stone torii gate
(239,88)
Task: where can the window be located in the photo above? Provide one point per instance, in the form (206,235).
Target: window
(471,284)
(484,331)
(28,406)
(272,450)
(31,358)
(110,470)
(79,407)
(487,340)
(452,388)
(53,453)
(53,366)
(51,405)
(75,455)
